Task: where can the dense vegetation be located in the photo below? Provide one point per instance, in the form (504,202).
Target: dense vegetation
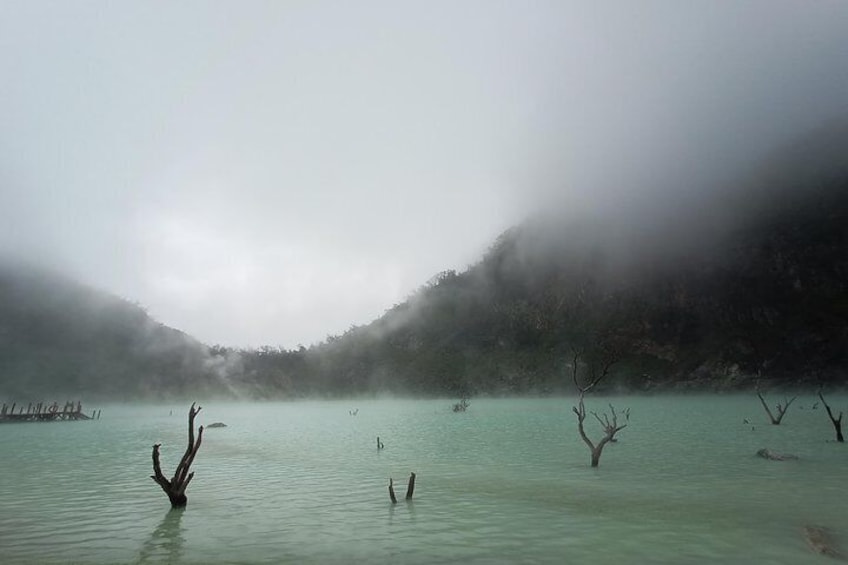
(701,294)
(714,291)
(763,299)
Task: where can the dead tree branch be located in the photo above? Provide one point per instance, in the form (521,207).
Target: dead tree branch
(837,422)
(175,487)
(781,408)
(611,427)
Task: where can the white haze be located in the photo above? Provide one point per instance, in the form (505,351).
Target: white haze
(273,172)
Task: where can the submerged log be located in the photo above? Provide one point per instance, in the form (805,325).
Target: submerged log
(821,542)
(774,456)
(175,487)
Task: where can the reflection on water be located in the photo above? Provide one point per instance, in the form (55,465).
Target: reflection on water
(166,542)
(505,481)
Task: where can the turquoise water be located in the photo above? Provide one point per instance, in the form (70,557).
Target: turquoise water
(506,482)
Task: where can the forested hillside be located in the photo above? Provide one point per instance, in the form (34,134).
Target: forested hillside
(715,293)
(710,292)
(60,339)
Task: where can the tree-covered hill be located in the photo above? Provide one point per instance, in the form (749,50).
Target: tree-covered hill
(62,340)
(713,292)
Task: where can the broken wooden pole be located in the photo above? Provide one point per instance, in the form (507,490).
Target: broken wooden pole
(411,487)
(392,492)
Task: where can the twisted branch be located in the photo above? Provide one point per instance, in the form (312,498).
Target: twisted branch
(176,487)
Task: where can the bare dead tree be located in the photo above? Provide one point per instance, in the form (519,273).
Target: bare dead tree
(781,408)
(597,371)
(837,422)
(176,487)
(392,492)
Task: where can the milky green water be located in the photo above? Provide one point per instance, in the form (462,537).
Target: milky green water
(506,482)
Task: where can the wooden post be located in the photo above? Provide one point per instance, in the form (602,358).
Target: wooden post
(837,422)
(392,492)
(411,487)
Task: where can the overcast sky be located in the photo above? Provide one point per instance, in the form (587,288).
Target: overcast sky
(273,172)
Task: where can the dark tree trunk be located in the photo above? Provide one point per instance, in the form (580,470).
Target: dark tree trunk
(596,457)
(392,492)
(837,422)
(175,487)
(411,487)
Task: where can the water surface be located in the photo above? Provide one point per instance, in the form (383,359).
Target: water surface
(507,481)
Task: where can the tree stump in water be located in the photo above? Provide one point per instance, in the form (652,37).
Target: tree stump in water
(176,487)
(392,492)
(410,489)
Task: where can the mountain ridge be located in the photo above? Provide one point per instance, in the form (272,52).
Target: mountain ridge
(704,291)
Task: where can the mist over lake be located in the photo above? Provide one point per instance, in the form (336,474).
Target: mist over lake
(506,481)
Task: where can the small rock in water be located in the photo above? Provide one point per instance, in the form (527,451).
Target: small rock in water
(773,456)
(821,542)
(217,425)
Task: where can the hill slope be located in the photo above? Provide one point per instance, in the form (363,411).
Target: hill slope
(60,339)
(708,294)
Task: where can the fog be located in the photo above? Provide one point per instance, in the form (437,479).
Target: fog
(271,173)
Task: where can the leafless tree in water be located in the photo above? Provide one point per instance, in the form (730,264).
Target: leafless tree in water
(596,371)
(175,487)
